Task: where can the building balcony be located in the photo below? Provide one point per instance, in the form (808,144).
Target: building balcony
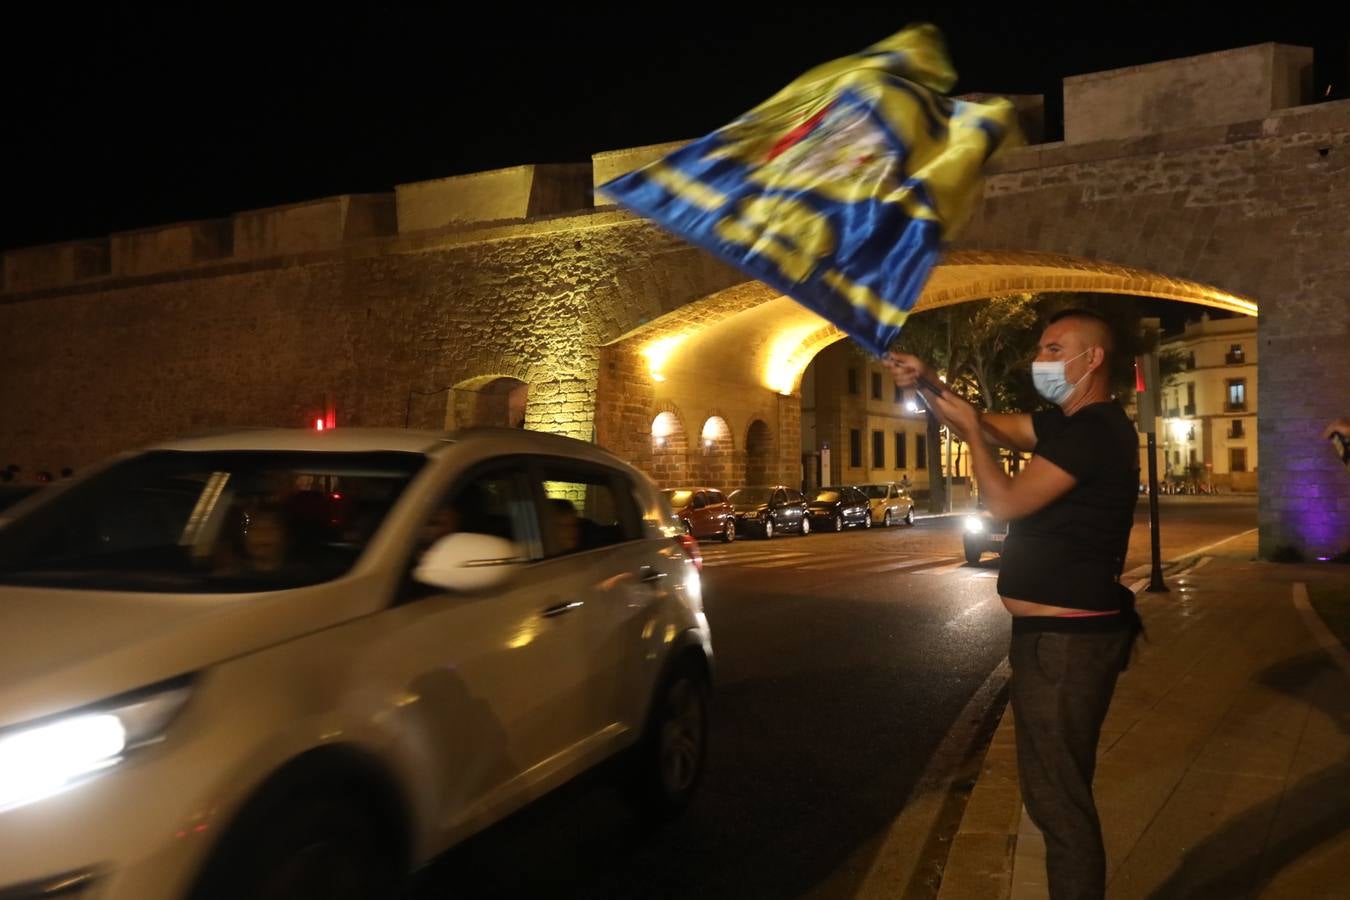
(1189,409)
(1235,407)
(1173,413)
(1235,359)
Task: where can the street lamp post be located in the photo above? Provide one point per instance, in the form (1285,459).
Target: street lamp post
(950,441)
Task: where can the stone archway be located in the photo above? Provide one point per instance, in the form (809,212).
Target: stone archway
(760,461)
(496,401)
(379,308)
(686,357)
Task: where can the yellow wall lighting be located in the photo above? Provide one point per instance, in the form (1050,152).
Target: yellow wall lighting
(663,426)
(788,358)
(658,353)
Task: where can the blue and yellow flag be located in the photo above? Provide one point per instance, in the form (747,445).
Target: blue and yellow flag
(841,189)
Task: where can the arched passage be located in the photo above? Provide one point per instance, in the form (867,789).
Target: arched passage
(496,401)
(760,462)
(747,347)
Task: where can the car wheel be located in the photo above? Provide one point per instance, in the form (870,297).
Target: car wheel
(886,520)
(729,532)
(909,516)
(838,523)
(806,526)
(768,529)
(667,763)
(973,554)
(867,522)
(314,842)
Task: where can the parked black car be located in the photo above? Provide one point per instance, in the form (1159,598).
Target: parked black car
(767,510)
(837,507)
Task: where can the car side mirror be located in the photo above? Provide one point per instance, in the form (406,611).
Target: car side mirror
(469,562)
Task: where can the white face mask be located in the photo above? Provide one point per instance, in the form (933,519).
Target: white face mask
(1048,376)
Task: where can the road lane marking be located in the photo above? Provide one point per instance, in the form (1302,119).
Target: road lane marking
(943,570)
(867,568)
(1207,547)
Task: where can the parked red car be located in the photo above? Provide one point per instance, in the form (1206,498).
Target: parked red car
(705,512)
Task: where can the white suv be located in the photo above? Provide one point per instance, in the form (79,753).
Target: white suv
(293,664)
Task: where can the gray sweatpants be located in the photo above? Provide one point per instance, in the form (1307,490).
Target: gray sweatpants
(1061,687)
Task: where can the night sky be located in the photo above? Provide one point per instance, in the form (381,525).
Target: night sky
(114,121)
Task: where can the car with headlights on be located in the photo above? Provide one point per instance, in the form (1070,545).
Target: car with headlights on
(982,533)
(280,663)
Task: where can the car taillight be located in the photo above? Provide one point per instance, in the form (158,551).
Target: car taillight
(689,545)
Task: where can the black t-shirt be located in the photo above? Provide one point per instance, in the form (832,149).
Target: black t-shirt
(1071,552)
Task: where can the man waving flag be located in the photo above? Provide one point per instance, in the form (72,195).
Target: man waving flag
(839,190)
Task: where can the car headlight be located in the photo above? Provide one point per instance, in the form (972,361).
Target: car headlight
(37,761)
(975,524)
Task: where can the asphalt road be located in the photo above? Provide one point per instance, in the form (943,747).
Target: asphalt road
(843,661)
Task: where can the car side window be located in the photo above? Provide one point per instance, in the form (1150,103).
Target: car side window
(779,497)
(717,497)
(586,507)
(794,496)
(700,500)
(496,501)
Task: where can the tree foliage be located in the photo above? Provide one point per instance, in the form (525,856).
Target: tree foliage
(984,348)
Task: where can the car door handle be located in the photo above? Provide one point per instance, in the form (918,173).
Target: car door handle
(561,609)
(650,574)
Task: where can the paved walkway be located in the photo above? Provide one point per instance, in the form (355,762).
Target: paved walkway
(1224,768)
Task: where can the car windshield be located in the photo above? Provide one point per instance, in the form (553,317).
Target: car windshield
(828,495)
(747,496)
(875,491)
(207,522)
(679,499)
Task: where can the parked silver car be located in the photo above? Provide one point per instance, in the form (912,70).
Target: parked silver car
(891,503)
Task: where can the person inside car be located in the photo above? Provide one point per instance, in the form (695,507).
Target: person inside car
(566,525)
(257,544)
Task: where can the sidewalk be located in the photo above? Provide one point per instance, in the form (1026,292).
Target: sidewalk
(958,509)
(1224,766)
